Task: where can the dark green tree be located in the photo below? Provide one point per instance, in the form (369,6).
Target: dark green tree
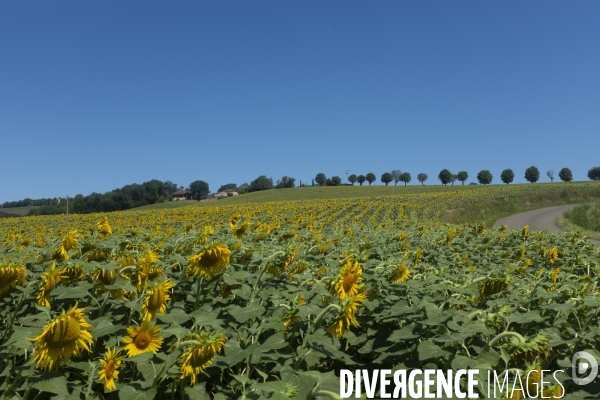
(462,176)
(285,182)
(386,178)
(485,177)
(422,178)
(565,175)
(336,181)
(261,183)
(507,176)
(243,188)
(361,179)
(199,189)
(445,177)
(396,175)
(371,178)
(352,179)
(321,179)
(532,174)
(228,186)
(405,177)
(594,174)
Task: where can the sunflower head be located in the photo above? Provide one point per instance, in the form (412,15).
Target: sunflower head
(349,278)
(104,227)
(142,339)
(400,274)
(240,230)
(70,240)
(11,276)
(346,317)
(210,261)
(199,354)
(156,300)
(109,368)
(49,282)
(62,338)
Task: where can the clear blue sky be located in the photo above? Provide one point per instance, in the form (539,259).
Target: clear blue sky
(98,94)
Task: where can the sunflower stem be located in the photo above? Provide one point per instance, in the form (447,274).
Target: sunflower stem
(198,288)
(262,271)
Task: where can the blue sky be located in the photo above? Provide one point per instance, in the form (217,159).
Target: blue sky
(98,94)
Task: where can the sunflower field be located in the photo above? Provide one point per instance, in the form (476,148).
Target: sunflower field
(270,301)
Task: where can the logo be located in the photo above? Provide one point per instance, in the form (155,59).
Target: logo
(580,367)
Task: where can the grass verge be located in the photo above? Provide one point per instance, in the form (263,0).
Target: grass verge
(489,212)
(585,218)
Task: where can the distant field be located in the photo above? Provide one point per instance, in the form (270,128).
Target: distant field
(17,210)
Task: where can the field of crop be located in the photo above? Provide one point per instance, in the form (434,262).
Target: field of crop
(270,300)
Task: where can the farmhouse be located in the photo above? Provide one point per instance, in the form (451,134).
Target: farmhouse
(182,195)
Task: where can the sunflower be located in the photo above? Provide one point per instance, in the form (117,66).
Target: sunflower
(70,240)
(209,262)
(104,227)
(200,354)
(105,277)
(10,277)
(144,269)
(552,255)
(109,368)
(346,316)
(62,338)
(349,277)
(49,282)
(401,274)
(240,230)
(156,300)
(143,338)
(59,254)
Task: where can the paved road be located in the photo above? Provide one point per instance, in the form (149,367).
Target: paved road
(538,220)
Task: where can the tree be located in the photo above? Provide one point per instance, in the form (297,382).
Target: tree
(199,189)
(285,182)
(243,188)
(386,178)
(405,177)
(371,178)
(170,187)
(507,176)
(361,179)
(321,179)
(453,178)
(532,174)
(565,175)
(261,183)
(352,179)
(228,186)
(485,177)
(594,174)
(462,176)
(334,181)
(445,177)
(422,178)
(396,176)
(550,175)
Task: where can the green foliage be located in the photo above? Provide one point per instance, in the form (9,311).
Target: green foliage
(361,179)
(321,179)
(405,177)
(228,186)
(532,174)
(386,178)
(586,217)
(199,189)
(462,176)
(445,177)
(371,178)
(484,177)
(261,183)
(422,178)
(286,182)
(334,181)
(352,179)
(507,176)
(594,174)
(565,175)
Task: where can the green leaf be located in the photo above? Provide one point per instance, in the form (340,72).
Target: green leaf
(197,392)
(103,326)
(243,314)
(78,292)
(176,317)
(131,393)
(428,350)
(50,382)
